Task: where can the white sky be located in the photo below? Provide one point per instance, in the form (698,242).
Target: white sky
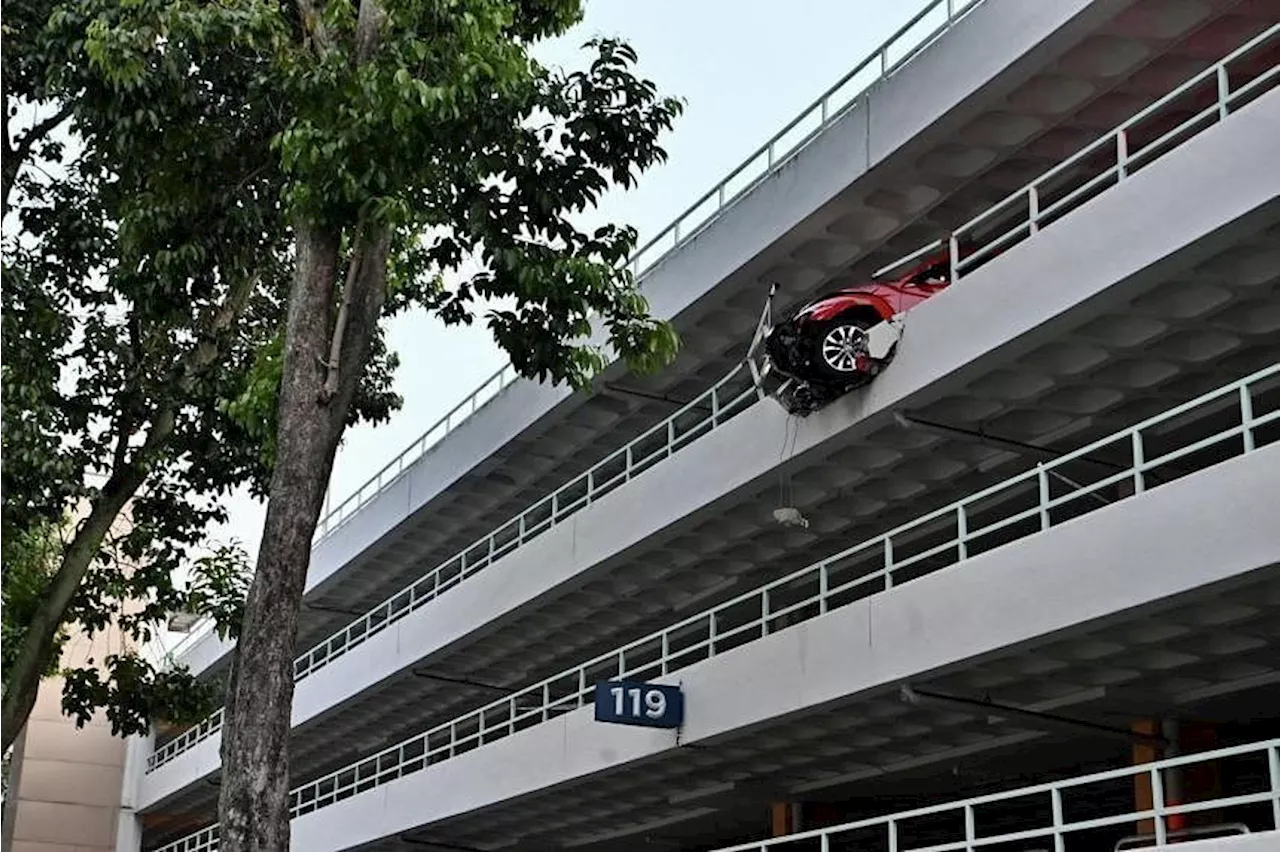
(744,68)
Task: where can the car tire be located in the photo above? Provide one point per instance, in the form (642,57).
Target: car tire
(837,345)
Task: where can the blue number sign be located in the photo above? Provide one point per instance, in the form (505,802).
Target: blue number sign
(631,703)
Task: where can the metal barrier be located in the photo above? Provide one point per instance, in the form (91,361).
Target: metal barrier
(1112,158)
(334,516)
(204,840)
(1019,507)
(729,397)
(887,832)
(515,532)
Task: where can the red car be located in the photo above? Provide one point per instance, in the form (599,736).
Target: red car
(825,343)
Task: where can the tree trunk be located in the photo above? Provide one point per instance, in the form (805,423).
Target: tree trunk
(254,797)
(22,681)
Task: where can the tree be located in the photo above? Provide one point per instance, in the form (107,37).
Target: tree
(48,575)
(374,148)
(139,306)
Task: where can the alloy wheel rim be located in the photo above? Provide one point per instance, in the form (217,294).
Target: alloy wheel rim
(841,347)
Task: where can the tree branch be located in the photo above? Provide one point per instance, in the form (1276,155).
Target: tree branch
(127,476)
(313,28)
(340,324)
(23,679)
(41,129)
(208,347)
(364,297)
(368,30)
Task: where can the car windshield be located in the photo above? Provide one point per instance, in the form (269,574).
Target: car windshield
(940,271)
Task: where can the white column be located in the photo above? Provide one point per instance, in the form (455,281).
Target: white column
(128,825)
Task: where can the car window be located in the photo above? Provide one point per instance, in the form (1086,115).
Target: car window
(935,274)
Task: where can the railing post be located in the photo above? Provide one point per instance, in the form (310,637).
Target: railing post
(1273,763)
(582,687)
(953,250)
(671,437)
(823,588)
(888,562)
(969,830)
(1122,154)
(546,701)
(1139,480)
(711,634)
(764,613)
(1224,91)
(1157,805)
(1246,427)
(1059,842)
(1042,480)
(1033,208)
(962,533)
(893,835)
(666,653)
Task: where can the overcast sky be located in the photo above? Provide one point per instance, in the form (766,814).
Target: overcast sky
(744,68)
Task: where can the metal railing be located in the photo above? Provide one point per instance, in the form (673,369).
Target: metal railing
(1021,506)
(198,733)
(895,52)
(453,571)
(204,840)
(1114,157)
(729,397)
(1048,806)
(932,21)
(334,516)
(1043,807)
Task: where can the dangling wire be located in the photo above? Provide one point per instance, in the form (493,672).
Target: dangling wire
(787,513)
(790,429)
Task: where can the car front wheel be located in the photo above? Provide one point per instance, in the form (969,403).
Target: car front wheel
(841,348)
